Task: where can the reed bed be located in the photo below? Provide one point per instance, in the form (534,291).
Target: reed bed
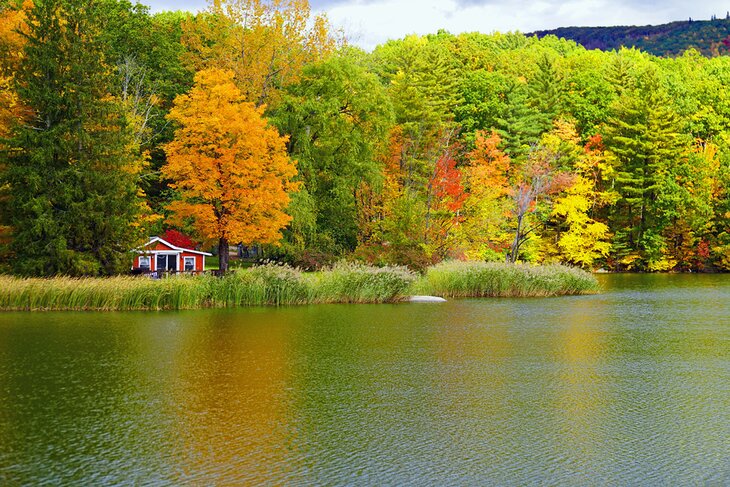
(348,282)
(266,285)
(279,285)
(122,293)
(491,279)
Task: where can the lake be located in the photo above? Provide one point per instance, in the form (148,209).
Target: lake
(631,386)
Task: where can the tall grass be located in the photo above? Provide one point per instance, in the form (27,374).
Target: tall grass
(348,282)
(492,279)
(106,294)
(273,284)
(263,285)
(277,285)
(259,286)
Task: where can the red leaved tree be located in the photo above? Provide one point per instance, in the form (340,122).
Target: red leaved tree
(178,239)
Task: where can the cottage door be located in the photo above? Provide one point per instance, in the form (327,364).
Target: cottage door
(166,262)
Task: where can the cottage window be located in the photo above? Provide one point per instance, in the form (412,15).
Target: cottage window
(144,262)
(189,263)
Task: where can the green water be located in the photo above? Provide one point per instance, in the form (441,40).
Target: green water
(628,387)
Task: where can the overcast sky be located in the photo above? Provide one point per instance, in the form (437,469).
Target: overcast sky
(371,22)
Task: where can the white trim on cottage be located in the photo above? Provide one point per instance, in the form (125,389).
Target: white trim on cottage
(177,250)
(172,258)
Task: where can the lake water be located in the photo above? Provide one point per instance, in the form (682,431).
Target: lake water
(631,386)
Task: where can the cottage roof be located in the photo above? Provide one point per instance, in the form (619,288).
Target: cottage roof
(174,248)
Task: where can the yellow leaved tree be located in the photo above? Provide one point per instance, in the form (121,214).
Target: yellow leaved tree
(584,240)
(12,27)
(229,167)
(264,42)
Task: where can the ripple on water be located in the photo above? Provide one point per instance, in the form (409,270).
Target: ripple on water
(628,387)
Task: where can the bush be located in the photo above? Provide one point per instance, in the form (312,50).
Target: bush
(410,256)
(307,259)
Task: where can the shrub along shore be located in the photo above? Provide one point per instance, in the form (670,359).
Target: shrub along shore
(277,285)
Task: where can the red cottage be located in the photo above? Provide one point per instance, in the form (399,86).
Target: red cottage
(159,255)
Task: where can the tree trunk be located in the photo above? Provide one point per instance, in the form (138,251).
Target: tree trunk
(223,255)
(515,249)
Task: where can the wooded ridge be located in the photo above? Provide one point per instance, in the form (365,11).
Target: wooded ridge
(710,37)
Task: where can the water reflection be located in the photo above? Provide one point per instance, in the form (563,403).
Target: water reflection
(584,392)
(229,402)
(630,386)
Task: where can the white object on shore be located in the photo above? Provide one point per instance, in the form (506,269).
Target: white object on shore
(426,299)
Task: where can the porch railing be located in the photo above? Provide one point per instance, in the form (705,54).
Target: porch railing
(162,274)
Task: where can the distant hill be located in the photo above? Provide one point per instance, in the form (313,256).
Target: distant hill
(711,37)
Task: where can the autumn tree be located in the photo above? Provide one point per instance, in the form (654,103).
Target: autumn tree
(12,27)
(395,225)
(178,239)
(266,43)
(445,199)
(483,233)
(229,168)
(421,77)
(537,180)
(573,233)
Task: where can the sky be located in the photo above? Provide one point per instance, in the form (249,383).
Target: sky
(368,23)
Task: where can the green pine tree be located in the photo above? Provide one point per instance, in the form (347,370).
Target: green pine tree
(547,92)
(644,135)
(520,125)
(73,194)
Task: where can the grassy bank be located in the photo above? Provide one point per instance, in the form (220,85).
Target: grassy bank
(280,285)
(491,279)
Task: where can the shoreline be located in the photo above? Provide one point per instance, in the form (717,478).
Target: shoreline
(278,285)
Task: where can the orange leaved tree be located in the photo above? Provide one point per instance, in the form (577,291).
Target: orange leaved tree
(229,167)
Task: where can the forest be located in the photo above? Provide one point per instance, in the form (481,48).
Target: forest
(710,37)
(256,122)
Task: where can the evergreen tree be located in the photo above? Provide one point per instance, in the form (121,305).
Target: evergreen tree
(619,72)
(422,87)
(546,92)
(643,134)
(74,199)
(521,124)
